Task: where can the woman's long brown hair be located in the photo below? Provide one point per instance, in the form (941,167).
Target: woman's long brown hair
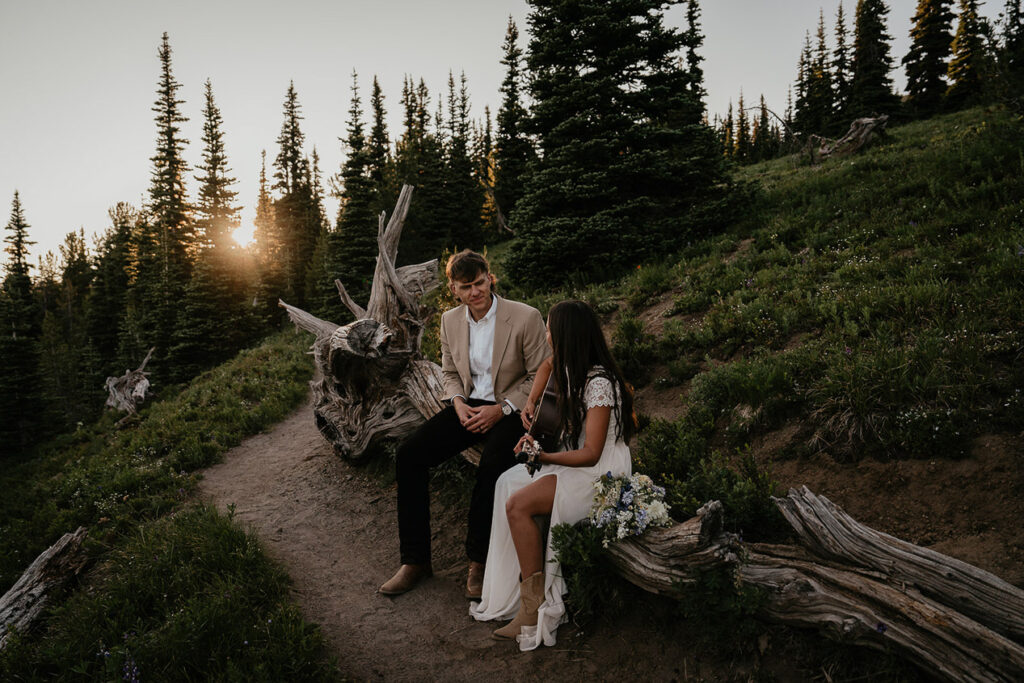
(579,346)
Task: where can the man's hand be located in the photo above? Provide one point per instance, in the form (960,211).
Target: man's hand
(481,418)
(462,410)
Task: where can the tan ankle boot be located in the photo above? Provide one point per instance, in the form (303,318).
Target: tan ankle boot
(531,595)
(405,579)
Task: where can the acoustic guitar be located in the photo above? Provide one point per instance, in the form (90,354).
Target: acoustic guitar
(545,428)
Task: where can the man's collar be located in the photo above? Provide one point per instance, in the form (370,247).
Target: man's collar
(490,314)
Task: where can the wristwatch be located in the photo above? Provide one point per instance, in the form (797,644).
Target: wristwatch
(506,409)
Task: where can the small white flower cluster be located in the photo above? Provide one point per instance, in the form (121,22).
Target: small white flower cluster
(626,506)
(531,448)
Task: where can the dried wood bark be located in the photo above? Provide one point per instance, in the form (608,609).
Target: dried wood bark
(129,390)
(830,532)
(852,583)
(862,132)
(372,384)
(24,603)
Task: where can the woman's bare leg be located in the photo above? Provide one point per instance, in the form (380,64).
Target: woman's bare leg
(535,499)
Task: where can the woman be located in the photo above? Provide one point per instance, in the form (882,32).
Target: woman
(595,408)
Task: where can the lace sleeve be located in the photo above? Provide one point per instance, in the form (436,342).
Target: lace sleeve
(598,393)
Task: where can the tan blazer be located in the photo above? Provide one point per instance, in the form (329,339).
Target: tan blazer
(520,346)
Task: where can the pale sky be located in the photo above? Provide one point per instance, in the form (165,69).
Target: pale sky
(78,79)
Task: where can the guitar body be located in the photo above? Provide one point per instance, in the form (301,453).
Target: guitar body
(544,427)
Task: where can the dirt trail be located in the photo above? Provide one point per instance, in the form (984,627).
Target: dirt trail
(335,531)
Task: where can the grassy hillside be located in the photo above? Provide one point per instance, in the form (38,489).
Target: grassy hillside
(170,578)
(872,302)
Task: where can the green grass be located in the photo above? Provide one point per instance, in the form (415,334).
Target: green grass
(170,578)
(874,299)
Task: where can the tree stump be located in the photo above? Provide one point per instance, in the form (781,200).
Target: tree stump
(24,603)
(372,384)
(126,392)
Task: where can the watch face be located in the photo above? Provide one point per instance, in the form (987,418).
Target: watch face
(506,409)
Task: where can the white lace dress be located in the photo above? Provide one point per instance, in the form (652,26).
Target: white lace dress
(574,494)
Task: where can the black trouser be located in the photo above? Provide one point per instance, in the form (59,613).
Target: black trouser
(441,437)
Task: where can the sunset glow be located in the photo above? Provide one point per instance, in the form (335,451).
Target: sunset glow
(245,235)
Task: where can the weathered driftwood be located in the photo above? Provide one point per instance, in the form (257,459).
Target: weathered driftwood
(862,132)
(850,582)
(129,390)
(373,385)
(664,558)
(830,532)
(24,603)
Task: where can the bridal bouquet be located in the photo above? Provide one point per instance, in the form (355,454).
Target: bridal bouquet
(626,506)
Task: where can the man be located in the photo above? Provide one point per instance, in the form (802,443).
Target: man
(490,350)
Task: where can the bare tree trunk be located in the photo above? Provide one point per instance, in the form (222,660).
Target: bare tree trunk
(24,603)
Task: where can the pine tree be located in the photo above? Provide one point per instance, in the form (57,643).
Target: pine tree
(512,148)
(627,156)
(288,164)
(764,143)
(163,275)
(380,163)
(266,234)
(842,73)
(743,146)
(317,189)
(67,360)
(693,39)
(420,163)
(462,191)
(728,126)
(967,64)
(484,166)
(216,215)
(788,138)
(803,116)
(210,323)
(297,217)
(357,220)
(108,291)
(822,94)
(1010,55)
(926,62)
(21,402)
(815,104)
(871,90)
(270,254)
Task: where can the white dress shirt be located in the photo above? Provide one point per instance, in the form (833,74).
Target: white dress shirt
(481,352)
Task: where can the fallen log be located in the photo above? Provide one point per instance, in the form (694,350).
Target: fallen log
(816,585)
(860,608)
(831,533)
(23,604)
(862,131)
